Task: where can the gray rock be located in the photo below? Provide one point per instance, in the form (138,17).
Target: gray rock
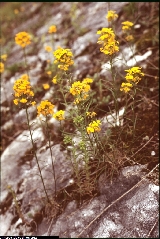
(32,186)
(133,216)
(7,91)
(82,42)
(12,172)
(6,219)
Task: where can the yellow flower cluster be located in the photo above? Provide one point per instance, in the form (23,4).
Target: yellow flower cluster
(127,25)
(23,39)
(94,126)
(111,16)
(23,90)
(4,57)
(91,114)
(16,11)
(59,115)
(107,38)
(46,86)
(54,80)
(45,108)
(52,29)
(134,74)
(129,38)
(63,58)
(48,48)
(49,73)
(1,67)
(80,89)
(126,87)
(133,77)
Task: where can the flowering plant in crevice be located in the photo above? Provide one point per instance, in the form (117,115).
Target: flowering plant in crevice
(133,76)
(76,95)
(23,96)
(110,46)
(46,109)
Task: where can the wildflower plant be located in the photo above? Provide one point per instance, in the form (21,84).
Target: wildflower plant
(52,29)
(110,48)
(133,76)
(127,30)
(23,39)
(76,96)
(46,109)
(23,95)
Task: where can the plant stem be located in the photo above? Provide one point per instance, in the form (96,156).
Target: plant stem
(25,59)
(134,118)
(36,154)
(51,155)
(114,91)
(17,206)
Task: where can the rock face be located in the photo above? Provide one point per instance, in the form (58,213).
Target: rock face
(133,216)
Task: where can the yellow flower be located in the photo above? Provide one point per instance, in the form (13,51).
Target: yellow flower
(76,101)
(127,25)
(16,11)
(107,38)
(111,15)
(52,29)
(23,100)
(4,57)
(15,101)
(33,103)
(76,88)
(49,73)
(129,38)
(46,86)
(80,90)
(23,90)
(134,74)
(23,39)
(25,77)
(126,87)
(45,108)
(59,115)
(54,80)
(110,48)
(48,48)
(91,114)
(94,126)
(63,58)
(87,80)
(1,67)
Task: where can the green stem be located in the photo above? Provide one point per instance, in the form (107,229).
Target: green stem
(114,90)
(17,206)
(52,41)
(100,90)
(25,59)
(36,154)
(51,156)
(134,118)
